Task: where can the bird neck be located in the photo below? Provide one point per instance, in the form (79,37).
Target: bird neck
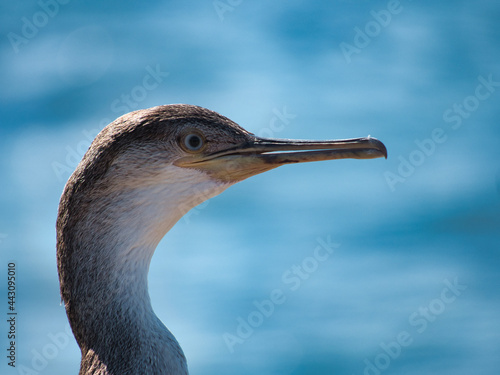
(104,256)
(115,325)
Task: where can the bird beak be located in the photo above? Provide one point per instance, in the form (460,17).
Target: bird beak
(261,154)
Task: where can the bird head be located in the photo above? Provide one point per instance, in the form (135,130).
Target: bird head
(195,138)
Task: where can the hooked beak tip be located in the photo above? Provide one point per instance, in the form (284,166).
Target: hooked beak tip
(378,145)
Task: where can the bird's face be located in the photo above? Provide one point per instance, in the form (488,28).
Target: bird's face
(230,154)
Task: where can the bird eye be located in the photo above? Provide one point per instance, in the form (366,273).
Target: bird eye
(193,142)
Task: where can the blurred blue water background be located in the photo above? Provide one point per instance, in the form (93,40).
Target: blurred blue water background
(411,283)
